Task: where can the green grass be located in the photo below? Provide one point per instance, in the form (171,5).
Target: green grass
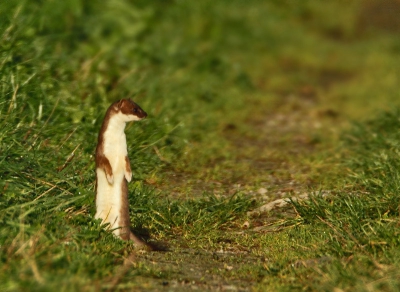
(240,96)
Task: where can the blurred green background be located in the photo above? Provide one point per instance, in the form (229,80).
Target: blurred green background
(196,67)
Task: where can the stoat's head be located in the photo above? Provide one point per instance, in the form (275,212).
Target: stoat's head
(130,110)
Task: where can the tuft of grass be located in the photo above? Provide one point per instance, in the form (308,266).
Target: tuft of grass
(191,218)
(362,219)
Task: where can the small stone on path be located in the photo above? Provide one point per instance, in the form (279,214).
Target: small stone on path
(262,191)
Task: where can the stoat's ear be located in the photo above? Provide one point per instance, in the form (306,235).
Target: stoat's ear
(119,104)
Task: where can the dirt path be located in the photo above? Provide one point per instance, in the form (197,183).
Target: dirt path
(277,154)
(200,269)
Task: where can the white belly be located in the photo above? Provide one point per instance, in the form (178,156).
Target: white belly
(109,199)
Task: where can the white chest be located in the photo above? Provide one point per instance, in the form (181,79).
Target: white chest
(115,148)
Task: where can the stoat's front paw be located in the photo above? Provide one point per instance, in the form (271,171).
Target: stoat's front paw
(110,178)
(128,176)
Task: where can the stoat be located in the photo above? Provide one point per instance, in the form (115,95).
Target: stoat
(113,169)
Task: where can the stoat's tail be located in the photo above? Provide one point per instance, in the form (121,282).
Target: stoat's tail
(138,242)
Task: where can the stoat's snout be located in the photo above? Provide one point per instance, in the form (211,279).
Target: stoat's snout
(141,114)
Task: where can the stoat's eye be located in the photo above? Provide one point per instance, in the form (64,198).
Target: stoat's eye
(135,110)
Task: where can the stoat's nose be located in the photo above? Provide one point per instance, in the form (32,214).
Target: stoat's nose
(141,114)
